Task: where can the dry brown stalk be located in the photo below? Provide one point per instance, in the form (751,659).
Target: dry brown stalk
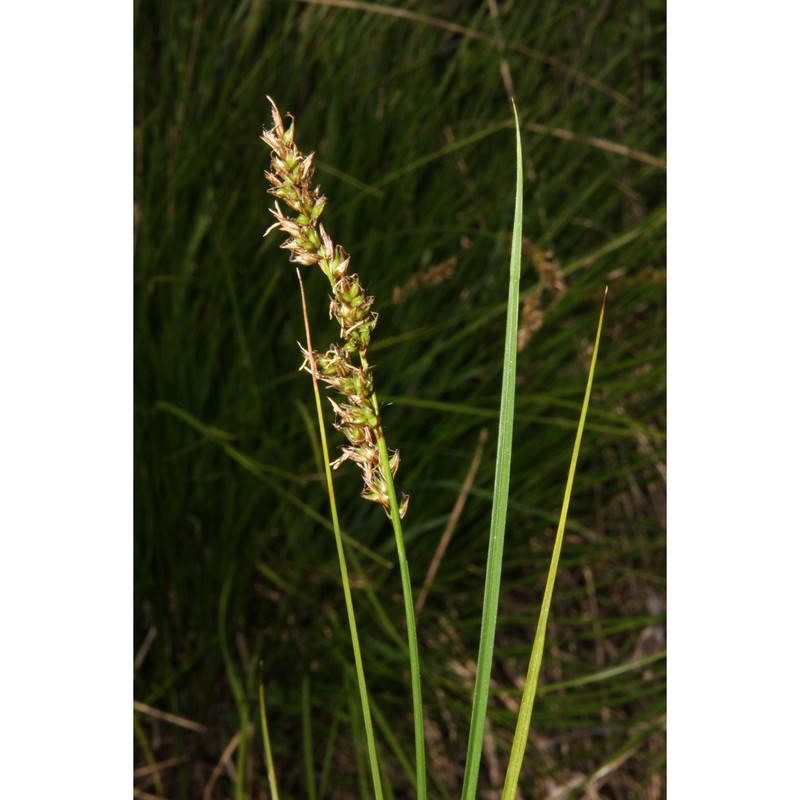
(452,522)
(433,276)
(551,280)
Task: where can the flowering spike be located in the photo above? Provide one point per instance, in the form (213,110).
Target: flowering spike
(310,243)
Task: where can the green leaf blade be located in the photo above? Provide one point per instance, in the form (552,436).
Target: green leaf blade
(537,651)
(499,502)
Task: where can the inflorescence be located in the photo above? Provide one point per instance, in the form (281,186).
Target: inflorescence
(357,417)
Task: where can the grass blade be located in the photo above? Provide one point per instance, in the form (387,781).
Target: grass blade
(273,784)
(499,503)
(532,679)
(238,692)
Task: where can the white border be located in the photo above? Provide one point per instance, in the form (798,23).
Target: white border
(734,261)
(66,399)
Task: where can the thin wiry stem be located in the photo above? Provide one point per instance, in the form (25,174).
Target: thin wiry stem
(411,623)
(351,616)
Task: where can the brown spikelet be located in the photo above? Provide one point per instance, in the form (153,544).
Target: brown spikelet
(551,281)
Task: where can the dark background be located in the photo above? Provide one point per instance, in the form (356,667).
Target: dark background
(407,107)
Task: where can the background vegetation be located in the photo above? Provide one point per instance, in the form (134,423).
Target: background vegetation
(407,108)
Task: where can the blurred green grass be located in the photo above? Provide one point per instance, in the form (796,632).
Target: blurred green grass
(411,122)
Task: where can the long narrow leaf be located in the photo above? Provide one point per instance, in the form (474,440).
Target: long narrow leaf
(273,783)
(499,503)
(532,679)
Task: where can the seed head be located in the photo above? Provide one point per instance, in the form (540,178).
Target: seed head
(309,243)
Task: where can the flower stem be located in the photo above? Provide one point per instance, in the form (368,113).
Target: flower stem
(351,616)
(408,602)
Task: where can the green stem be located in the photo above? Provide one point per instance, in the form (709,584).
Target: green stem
(408,602)
(273,784)
(351,616)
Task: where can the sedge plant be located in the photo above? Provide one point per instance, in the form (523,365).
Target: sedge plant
(346,369)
